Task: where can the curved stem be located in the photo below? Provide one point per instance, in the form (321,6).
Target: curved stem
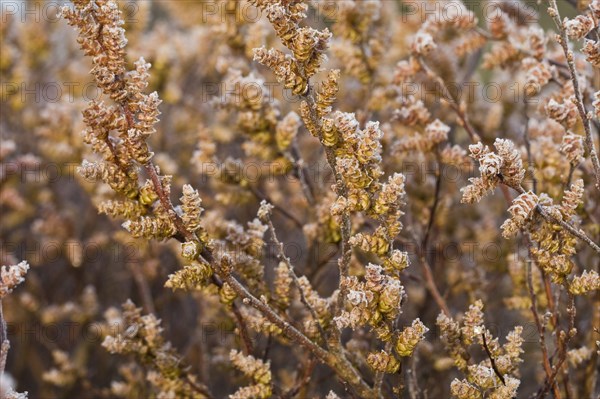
(564,42)
(574,231)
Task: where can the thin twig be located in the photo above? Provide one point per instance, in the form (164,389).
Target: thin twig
(345,227)
(564,42)
(494,367)
(143,287)
(4,343)
(541,210)
(431,286)
(530,163)
(284,258)
(414,391)
(380,374)
(563,339)
(422,250)
(307,188)
(436,200)
(249,349)
(452,101)
(263,197)
(536,317)
(200,388)
(550,299)
(268,345)
(303,382)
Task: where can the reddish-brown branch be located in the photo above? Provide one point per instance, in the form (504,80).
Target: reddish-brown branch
(551,219)
(564,42)
(540,327)
(563,339)
(432,287)
(454,104)
(248,347)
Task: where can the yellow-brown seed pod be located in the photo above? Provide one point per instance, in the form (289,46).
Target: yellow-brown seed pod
(190,250)
(191,277)
(464,390)
(147,195)
(383,362)
(410,337)
(370,243)
(382,246)
(303,44)
(330,133)
(359,200)
(327,93)
(332,231)
(588,281)
(376,318)
(308,120)
(299,85)
(383,331)
(397,260)
(226,294)
(390,297)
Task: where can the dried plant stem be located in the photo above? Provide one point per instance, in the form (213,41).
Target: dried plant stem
(564,42)
(4,343)
(303,381)
(200,388)
(593,368)
(436,200)
(562,339)
(458,108)
(492,361)
(425,267)
(380,374)
(243,329)
(301,171)
(431,286)
(346,231)
(551,219)
(143,287)
(530,164)
(550,299)
(414,391)
(540,327)
(346,226)
(284,258)
(570,177)
(263,197)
